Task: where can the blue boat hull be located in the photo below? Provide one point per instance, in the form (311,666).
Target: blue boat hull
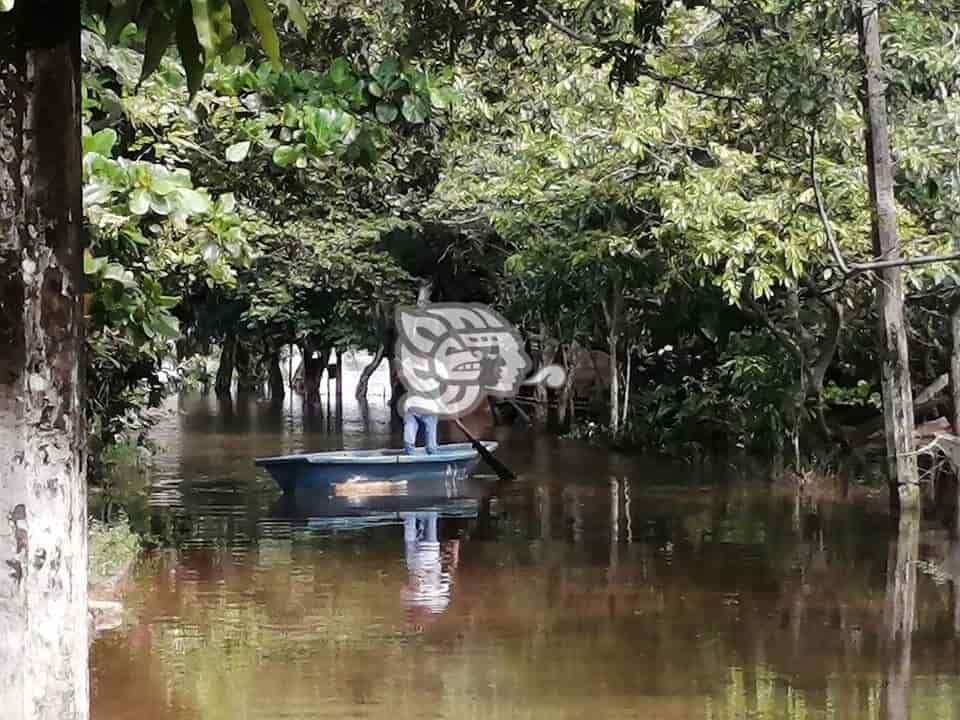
(454,463)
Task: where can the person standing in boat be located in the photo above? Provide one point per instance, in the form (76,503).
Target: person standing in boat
(412,421)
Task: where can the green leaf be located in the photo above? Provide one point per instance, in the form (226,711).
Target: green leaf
(227,203)
(375,88)
(92,265)
(159,34)
(285,155)
(238,151)
(386,113)
(214,25)
(263,20)
(118,273)
(160,205)
(295,12)
(195,201)
(120,16)
(441,98)
(210,252)
(101,142)
(165,325)
(415,109)
(340,73)
(386,71)
(139,202)
(191,51)
(236,55)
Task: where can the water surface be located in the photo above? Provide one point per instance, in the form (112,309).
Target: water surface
(597,586)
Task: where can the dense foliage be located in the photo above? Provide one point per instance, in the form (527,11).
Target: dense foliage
(679,185)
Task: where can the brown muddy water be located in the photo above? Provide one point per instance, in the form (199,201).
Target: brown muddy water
(597,586)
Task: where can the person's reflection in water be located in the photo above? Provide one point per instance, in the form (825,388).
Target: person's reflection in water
(430,566)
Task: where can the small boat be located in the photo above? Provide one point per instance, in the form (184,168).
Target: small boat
(453,462)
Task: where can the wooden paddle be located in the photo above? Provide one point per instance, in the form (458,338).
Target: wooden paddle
(502,471)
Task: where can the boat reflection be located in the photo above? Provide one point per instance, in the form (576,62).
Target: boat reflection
(434,514)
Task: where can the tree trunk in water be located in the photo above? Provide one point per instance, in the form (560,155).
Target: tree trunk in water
(364,382)
(900,615)
(290,374)
(565,396)
(277,389)
(955,368)
(228,352)
(546,355)
(897,391)
(248,379)
(396,388)
(614,387)
(955,358)
(313,368)
(626,388)
(424,292)
(43,500)
(612,310)
(339,383)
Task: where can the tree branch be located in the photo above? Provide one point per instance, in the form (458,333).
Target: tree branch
(821,209)
(782,335)
(847,269)
(615,50)
(827,349)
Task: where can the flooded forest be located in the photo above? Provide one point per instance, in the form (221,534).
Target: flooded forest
(696,261)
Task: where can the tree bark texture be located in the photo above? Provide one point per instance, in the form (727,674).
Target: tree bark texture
(248,378)
(228,354)
(547,351)
(565,395)
(43,509)
(613,310)
(955,359)
(900,615)
(895,364)
(339,384)
(313,368)
(363,383)
(275,377)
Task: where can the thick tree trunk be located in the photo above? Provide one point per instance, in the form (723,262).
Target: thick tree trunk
(248,378)
(313,368)
(275,376)
(228,352)
(364,382)
(396,388)
(43,509)
(895,368)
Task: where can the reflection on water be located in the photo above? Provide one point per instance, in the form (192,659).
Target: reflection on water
(430,564)
(595,586)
